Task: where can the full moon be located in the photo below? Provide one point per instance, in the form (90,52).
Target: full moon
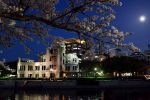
(142,18)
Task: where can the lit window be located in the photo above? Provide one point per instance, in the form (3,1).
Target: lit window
(74,45)
(68,45)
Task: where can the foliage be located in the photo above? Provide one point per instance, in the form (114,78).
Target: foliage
(5,70)
(25,19)
(123,64)
(88,65)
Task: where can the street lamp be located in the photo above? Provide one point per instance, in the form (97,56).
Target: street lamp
(95,69)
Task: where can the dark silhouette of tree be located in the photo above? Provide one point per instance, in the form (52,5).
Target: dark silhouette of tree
(123,64)
(89,65)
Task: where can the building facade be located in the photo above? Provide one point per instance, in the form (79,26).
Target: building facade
(74,45)
(138,55)
(52,64)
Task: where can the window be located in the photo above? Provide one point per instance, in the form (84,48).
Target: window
(51,66)
(37,67)
(36,75)
(74,60)
(50,59)
(74,45)
(43,75)
(79,46)
(68,45)
(67,68)
(30,68)
(63,61)
(74,67)
(29,75)
(67,61)
(43,67)
(43,59)
(22,68)
(21,75)
(51,51)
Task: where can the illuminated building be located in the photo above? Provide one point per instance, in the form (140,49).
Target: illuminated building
(74,45)
(51,64)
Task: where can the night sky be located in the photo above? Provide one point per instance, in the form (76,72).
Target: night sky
(127,20)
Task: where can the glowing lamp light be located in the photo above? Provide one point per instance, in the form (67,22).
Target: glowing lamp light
(95,69)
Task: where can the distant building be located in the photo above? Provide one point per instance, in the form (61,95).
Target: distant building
(147,54)
(114,52)
(74,45)
(138,55)
(72,62)
(52,64)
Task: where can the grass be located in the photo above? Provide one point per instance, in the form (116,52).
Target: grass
(5,78)
(89,77)
(104,77)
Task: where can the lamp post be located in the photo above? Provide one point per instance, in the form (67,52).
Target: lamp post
(95,69)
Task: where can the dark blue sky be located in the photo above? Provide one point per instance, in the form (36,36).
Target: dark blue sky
(127,20)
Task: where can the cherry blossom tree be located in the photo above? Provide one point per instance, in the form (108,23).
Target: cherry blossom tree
(24,19)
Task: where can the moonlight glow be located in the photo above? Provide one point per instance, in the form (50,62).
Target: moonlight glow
(142,19)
